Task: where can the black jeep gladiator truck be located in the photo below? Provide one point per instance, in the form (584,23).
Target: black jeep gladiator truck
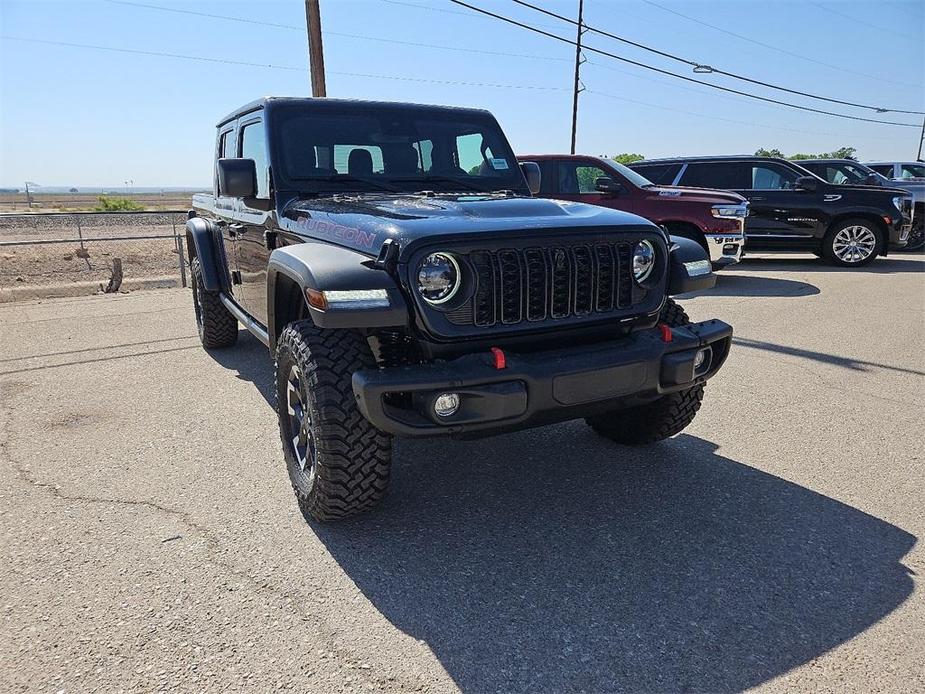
(392,259)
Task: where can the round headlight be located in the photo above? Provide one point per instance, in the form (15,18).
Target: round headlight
(643,260)
(438,278)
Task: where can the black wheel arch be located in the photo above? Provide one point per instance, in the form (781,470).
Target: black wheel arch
(324,267)
(203,241)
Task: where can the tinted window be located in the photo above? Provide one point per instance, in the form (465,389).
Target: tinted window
(634,177)
(575,178)
(884,169)
(662,174)
(345,159)
(722,175)
(254,146)
(226,145)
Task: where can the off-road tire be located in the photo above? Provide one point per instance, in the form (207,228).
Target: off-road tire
(349,472)
(828,250)
(656,420)
(217,327)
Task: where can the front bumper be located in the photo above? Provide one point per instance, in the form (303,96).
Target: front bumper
(725,249)
(541,387)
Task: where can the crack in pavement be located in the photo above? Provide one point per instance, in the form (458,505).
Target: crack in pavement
(291,600)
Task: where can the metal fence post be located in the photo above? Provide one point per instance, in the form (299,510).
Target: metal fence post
(80,234)
(182,257)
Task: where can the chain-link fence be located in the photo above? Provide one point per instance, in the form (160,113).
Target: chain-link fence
(88,249)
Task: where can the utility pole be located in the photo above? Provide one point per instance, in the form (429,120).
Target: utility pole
(577,87)
(918,156)
(315,50)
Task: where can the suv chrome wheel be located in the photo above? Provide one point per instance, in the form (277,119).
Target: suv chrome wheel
(300,424)
(854,244)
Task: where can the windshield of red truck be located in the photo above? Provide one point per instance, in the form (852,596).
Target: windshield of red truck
(395,149)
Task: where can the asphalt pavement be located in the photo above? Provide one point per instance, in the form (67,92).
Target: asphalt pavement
(150,539)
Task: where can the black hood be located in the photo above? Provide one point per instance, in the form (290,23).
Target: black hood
(364,222)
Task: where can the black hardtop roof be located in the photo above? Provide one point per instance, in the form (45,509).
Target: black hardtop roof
(359,104)
(717,157)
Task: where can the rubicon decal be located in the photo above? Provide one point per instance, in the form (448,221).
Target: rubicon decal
(320,227)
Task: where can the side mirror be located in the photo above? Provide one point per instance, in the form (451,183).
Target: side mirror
(605,184)
(237,178)
(807,183)
(531,171)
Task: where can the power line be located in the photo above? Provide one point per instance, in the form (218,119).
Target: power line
(703,68)
(772,47)
(228,61)
(890,31)
(676,75)
(300,29)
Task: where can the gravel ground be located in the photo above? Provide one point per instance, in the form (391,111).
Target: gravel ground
(150,539)
(92,261)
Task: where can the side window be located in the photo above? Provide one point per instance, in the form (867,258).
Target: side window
(350,159)
(884,170)
(425,152)
(912,170)
(226,145)
(833,175)
(576,179)
(662,174)
(772,177)
(254,146)
(722,175)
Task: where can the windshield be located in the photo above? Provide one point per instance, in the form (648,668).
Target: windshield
(345,148)
(633,177)
(847,174)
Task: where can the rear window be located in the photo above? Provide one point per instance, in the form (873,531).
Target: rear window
(722,175)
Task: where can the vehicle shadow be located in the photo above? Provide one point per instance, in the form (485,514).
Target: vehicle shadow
(252,362)
(844,362)
(728,284)
(895,263)
(554,560)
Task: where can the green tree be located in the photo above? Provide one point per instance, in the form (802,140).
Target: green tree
(762,152)
(627,158)
(840,153)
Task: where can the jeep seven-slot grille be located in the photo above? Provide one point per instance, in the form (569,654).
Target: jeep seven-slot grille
(535,284)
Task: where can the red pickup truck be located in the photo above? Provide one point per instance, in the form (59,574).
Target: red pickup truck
(713,218)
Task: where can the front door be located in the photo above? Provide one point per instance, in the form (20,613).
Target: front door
(254,229)
(780,215)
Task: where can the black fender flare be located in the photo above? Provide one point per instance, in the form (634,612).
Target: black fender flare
(326,268)
(681,252)
(201,235)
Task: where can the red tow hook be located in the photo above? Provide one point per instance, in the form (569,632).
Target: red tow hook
(500,361)
(666,332)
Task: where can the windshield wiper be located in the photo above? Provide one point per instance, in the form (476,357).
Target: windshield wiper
(347,178)
(442,179)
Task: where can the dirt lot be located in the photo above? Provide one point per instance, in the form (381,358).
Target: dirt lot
(150,539)
(59,202)
(91,261)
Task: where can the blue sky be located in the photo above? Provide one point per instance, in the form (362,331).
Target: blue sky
(81,116)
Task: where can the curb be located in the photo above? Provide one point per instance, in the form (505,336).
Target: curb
(47,291)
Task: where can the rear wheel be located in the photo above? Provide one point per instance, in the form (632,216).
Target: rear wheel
(853,242)
(338,462)
(657,420)
(216,326)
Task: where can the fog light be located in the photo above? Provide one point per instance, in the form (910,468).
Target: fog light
(700,358)
(446,404)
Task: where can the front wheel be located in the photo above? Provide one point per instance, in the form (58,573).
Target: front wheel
(216,326)
(657,420)
(338,462)
(852,243)
(916,239)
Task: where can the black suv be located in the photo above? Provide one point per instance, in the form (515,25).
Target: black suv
(790,209)
(392,259)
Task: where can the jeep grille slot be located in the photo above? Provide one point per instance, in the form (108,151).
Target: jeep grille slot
(562,281)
